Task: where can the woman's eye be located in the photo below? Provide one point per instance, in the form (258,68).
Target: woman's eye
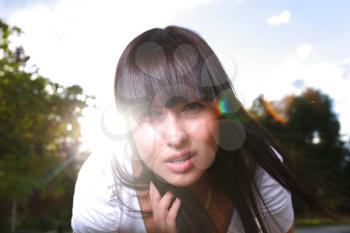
(193,107)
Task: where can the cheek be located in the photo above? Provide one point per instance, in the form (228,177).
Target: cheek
(207,132)
(146,145)
(205,140)
(214,132)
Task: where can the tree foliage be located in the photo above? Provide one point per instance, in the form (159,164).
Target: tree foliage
(39,130)
(309,132)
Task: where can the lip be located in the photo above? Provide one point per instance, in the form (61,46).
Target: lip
(181,167)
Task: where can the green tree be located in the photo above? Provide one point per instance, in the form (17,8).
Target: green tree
(308,129)
(39,133)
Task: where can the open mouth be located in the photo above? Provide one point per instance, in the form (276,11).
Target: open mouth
(181,164)
(179,160)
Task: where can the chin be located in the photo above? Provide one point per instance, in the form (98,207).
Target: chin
(181,184)
(183,181)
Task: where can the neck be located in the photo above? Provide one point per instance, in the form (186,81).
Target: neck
(202,187)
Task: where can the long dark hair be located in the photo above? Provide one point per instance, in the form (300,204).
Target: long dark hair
(176,61)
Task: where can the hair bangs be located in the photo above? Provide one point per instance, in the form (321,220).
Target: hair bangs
(159,72)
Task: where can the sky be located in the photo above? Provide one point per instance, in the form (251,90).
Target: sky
(269,47)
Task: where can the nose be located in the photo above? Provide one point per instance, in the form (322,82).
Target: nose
(174,131)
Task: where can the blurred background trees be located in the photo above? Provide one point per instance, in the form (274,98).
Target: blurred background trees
(39,135)
(308,129)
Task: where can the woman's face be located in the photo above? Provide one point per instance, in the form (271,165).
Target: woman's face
(179,142)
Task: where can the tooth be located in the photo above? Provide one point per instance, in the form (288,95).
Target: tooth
(180,159)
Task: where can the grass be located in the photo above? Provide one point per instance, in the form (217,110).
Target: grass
(299,221)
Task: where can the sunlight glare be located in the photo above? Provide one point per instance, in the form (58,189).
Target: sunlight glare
(104,132)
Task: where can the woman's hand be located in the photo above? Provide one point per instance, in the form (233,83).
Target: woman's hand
(164,215)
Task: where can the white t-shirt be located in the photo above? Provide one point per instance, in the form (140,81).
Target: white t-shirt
(96,209)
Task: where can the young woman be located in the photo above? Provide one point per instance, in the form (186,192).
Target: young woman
(199,162)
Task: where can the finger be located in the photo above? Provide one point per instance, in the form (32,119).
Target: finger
(165,202)
(154,194)
(162,209)
(173,212)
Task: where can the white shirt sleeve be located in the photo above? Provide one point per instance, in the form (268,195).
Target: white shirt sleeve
(278,201)
(93,210)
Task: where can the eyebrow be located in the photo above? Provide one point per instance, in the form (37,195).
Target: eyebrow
(175,101)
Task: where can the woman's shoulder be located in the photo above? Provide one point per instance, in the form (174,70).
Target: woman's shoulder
(278,200)
(94,208)
(277,211)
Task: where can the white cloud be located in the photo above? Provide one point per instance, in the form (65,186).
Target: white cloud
(284,17)
(277,78)
(80,41)
(304,51)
